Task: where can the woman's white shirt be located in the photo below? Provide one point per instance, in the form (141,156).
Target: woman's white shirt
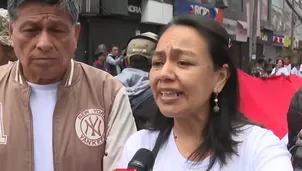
(259,150)
(280,71)
(297,72)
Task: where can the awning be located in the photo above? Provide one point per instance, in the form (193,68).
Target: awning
(243,24)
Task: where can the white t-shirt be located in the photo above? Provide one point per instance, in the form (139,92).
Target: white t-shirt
(297,72)
(260,150)
(280,71)
(43,99)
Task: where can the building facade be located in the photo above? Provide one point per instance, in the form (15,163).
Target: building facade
(232,18)
(114,22)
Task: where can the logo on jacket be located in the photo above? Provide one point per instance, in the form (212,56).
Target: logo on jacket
(90,126)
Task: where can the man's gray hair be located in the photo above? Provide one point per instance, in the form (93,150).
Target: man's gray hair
(73,7)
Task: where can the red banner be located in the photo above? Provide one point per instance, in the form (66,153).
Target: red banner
(266,101)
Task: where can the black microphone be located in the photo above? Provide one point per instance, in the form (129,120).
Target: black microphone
(143,160)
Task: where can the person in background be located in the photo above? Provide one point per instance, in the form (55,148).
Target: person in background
(101,64)
(297,69)
(280,69)
(100,49)
(6,50)
(287,63)
(195,85)
(135,78)
(57,114)
(269,66)
(258,70)
(114,61)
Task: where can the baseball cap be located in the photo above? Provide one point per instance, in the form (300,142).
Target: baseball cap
(142,45)
(4,37)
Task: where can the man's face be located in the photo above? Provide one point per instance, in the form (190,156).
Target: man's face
(114,51)
(44,40)
(286,61)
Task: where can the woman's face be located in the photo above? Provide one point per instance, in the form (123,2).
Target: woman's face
(102,58)
(182,75)
(280,63)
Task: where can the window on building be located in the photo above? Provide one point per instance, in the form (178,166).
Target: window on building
(236,5)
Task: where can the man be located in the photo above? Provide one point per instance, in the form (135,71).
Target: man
(6,50)
(101,64)
(114,61)
(287,63)
(57,114)
(136,77)
(258,69)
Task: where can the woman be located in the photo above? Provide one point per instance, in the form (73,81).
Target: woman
(280,69)
(101,64)
(195,86)
(100,49)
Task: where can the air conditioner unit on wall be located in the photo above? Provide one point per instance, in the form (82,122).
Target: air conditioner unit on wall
(90,6)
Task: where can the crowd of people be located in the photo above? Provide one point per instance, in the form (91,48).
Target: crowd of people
(282,66)
(174,94)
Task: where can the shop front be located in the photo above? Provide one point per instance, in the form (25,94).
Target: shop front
(112,26)
(195,8)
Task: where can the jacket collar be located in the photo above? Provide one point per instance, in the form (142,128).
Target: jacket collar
(69,78)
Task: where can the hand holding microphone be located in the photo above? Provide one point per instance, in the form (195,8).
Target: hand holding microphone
(143,160)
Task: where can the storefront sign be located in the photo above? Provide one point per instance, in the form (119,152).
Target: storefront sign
(199,10)
(278,40)
(287,41)
(187,7)
(134,9)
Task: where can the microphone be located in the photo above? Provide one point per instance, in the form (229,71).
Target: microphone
(143,160)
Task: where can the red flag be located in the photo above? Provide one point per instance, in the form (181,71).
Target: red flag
(266,101)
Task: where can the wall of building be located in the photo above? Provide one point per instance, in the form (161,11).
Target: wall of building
(111,29)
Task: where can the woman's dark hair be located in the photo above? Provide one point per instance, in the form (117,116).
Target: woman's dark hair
(222,125)
(101,48)
(98,54)
(261,61)
(281,61)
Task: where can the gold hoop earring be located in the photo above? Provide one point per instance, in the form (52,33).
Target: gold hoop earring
(216,107)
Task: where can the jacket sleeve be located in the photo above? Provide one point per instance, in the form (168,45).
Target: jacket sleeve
(112,61)
(120,127)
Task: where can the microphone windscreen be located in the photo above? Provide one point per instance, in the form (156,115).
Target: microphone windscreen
(142,160)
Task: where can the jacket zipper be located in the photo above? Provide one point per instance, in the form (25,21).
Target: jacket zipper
(31,130)
(53,131)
